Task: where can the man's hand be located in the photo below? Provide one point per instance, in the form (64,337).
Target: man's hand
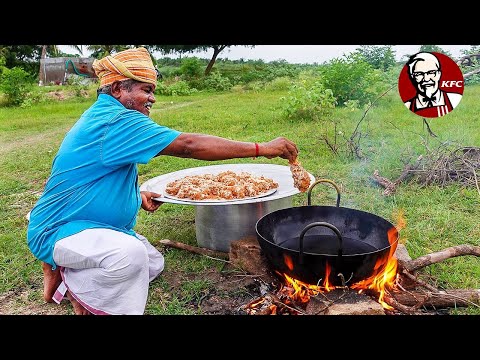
(148,203)
(281,147)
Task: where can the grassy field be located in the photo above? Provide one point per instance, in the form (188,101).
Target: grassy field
(436,217)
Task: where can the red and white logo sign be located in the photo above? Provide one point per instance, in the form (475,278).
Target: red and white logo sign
(431,84)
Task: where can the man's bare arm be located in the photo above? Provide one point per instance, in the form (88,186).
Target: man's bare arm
(209,147)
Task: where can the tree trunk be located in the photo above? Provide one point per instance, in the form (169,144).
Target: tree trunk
(41,73)
(216,50)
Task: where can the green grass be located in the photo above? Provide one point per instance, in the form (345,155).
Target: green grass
(436,217)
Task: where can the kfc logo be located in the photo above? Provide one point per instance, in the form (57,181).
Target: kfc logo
(431,84)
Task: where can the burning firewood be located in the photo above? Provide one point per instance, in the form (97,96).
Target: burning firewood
(270,304)
(409,295)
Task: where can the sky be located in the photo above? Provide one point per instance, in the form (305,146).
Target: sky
(298,54)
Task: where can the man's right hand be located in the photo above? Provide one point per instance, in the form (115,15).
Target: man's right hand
(281,147)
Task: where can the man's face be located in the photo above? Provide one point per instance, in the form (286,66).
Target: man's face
(426,76)
(140,97)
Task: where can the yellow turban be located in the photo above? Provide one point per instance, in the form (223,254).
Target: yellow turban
(129,64)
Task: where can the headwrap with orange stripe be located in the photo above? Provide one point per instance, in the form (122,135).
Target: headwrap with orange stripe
(128,64)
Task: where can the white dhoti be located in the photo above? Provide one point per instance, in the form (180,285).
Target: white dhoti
(107,271)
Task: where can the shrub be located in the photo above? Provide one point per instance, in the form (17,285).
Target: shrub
(308,102)
(350,78)
(281,83)
(191,67)
(16,84)
(215,81)
(178,88)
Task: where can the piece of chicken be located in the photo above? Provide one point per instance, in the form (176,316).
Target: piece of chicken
(301,179)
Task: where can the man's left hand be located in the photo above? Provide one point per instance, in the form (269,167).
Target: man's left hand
(148,203)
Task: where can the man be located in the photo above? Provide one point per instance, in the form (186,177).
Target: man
(81,228)
(425,72)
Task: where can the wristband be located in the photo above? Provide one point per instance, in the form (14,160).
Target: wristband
(257,151)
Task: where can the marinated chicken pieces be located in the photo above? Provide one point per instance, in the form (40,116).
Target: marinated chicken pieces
(226,185)
(301,179)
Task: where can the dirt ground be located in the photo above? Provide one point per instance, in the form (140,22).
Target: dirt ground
(229,293)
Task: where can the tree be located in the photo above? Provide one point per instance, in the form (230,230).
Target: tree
(22,56)
(434,48)
(182,49)
(474,49)
(100,51)
(380,57)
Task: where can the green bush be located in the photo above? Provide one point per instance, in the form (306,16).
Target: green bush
(350,78)
(169,72)
(215,81)
(281,83)
(16,84)
(254,86)
(308,101)
(379,57)
(191,67)
(178,88)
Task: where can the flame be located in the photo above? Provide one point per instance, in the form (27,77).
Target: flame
(301,292)
(385,270)
(326,283)
(385,274)
(288,261)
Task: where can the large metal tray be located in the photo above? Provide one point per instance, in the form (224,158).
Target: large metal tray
(278,173)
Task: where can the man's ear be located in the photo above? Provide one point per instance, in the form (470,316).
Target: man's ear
(116,89)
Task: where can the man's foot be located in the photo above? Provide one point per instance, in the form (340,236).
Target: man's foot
(77,307)
(51,281)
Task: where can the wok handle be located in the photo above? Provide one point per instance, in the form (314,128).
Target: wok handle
(320,223)
(309,193)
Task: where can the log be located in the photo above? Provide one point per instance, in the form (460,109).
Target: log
(409,310)
(470,73)
(391,186)
(442,299)
(387,184)
(436,257)
(195,249)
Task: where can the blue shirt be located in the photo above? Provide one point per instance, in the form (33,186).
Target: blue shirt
(94,178)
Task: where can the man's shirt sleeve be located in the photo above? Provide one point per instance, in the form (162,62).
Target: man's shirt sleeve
(133,137)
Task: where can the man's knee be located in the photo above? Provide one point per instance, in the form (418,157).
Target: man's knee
(129,260)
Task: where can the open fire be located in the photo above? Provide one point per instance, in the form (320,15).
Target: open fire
(294,295)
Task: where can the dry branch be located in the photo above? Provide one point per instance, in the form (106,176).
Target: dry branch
(468,59)
(441,166)
(417,281)
(430,132)
(445,166)
(195,249)
(470,73)
(409,301)
(391,186)
(410,310)
(436,257)
(443,299)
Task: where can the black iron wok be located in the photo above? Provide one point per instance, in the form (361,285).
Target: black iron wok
(301,241)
